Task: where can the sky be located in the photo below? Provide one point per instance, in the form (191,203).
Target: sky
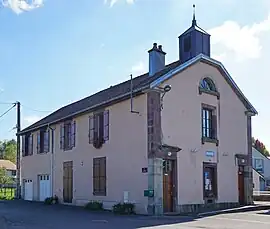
(53,53)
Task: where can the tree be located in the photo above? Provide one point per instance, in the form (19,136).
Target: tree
(258,145)
(8,150)
(4,178)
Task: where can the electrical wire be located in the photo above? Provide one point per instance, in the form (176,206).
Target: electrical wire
(29,108)
(7,111)
(6,103)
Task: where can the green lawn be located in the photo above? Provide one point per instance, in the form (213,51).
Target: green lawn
(7,193)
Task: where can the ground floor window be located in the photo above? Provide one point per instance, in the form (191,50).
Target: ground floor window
(99,176)
(209,180)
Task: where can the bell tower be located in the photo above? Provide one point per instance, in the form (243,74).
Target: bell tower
(193,41)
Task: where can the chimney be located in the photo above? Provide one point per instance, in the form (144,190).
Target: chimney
(156,59)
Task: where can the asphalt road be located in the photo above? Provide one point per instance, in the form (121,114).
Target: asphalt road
(23,215)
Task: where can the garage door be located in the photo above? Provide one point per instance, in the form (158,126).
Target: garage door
(44,187)
(28,190)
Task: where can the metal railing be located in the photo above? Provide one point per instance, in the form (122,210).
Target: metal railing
(261,193)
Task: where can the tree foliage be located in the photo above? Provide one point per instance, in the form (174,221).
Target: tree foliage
(258,145)
(8,150)
(4,178)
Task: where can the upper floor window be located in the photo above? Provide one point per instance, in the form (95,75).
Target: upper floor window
(208,84)
(99,128)
(68,135)
(27,145)
(43,141)
(209,124)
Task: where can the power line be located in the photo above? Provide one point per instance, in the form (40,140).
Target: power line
(7,111)
(6,103)
(29,108)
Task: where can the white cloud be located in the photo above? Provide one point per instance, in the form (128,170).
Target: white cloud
(31,119)
(243,42)
(20,6)
(113,2)
(139,68)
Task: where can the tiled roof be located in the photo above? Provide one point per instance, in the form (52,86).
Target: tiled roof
(7,165)
(93,102)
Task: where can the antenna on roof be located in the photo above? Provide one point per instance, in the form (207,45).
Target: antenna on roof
(131,96)
(194,23)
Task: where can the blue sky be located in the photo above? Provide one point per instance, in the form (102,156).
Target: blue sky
(61,52)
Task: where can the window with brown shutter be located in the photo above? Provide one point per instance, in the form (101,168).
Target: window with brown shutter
(68,135)
(99,127)
(91,129)
(99,176)
(43,141)
(23,145)
(106,125)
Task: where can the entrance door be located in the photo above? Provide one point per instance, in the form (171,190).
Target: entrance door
(68,182)
(241,186)
(168,186)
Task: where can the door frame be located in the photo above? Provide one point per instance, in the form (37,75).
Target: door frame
(65,201)
(241,173)
(174,184)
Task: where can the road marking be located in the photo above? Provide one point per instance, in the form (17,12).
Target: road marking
(244,220)
(100,221)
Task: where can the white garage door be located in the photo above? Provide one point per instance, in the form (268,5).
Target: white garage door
(28,190)
(44,187)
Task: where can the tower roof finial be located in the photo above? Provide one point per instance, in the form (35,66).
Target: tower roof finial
(194,23)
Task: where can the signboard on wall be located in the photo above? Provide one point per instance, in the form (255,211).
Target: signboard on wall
(209,154)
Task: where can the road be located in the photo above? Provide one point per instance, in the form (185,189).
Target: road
(23,215)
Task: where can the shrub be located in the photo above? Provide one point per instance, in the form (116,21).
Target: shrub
(51,200)
(94,206)
(124,208)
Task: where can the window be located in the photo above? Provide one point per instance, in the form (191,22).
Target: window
(43,141)
(13,172)
(27,145)
(209,123)
(99,176)
(187,43)
(208,84)
(99,127)
(68,135)
(209,180)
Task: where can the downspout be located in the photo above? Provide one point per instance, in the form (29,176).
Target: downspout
(52,159)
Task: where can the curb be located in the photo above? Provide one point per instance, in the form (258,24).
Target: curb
(236,210)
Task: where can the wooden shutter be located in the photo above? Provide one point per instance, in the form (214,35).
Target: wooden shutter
(38,142)
(73,133)
(91,129)
(62,134)
(214,127)
(31,145)
(23,145)
(106,125)
(48,141)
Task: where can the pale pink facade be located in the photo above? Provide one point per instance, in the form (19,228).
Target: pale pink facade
(126,150)
(181,125)
(126,154)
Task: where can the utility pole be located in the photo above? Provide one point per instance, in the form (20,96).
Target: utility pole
(18,183)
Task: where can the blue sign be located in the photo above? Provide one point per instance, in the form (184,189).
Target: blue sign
(209,154)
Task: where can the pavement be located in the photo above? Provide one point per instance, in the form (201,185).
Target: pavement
(27,215)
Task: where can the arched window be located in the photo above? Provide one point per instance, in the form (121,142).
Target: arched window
(208,84)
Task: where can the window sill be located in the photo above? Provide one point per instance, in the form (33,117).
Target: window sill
(99,194)
(42,153)
(215,93)
(210,140)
